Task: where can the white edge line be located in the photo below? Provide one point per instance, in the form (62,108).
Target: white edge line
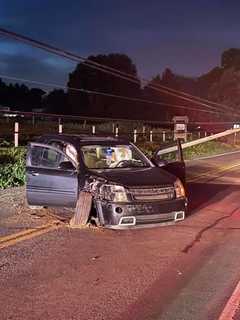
(232,305)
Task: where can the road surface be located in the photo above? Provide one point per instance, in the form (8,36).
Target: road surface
(186,271)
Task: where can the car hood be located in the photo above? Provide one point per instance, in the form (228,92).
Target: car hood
(136,176)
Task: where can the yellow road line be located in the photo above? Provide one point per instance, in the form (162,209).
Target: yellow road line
(217,171)
(26,234)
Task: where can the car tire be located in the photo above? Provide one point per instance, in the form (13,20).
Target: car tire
(82,210)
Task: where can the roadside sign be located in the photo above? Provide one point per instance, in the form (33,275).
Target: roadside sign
(180,127)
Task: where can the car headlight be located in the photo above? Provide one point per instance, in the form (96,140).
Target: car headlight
(113,193)
(179,189)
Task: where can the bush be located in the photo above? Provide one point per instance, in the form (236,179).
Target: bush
(12,167)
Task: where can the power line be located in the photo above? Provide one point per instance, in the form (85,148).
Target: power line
(105,94)
(110,70)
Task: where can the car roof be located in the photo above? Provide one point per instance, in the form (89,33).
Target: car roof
(82,139)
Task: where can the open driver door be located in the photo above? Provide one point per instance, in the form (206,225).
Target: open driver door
(175,167)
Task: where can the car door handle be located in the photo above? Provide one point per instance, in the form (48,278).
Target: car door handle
(34,173)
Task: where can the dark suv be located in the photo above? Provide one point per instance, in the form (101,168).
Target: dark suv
(127,189)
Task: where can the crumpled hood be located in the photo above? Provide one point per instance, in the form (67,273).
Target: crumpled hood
(136,176)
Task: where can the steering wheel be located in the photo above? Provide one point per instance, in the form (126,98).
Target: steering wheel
(119,164)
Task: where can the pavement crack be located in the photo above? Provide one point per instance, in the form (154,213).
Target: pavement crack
(201,232)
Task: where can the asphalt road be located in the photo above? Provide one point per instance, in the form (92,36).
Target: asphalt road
(185,271)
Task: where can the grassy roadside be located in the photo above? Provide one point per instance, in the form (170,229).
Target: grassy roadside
(12,160)
(12,167)
(202,150)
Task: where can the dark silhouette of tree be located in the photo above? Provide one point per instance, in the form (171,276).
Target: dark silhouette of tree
(20,97)
(56,102)
(231,58)
(87,78)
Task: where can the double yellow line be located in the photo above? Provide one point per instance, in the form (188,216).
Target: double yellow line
(13,239)
(212,172)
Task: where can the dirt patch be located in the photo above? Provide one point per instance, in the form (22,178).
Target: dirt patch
(16,215)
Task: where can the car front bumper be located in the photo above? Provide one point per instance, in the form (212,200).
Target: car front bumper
(137,214)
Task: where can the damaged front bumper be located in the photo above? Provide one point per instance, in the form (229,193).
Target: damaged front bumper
(138,214)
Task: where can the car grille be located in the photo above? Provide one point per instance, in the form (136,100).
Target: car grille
(155,218)
(152,193)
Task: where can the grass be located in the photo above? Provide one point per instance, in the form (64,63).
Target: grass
(12,160)
(12,167)
(198,151)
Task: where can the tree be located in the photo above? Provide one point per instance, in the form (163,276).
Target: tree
(231,58)
(56,102)
(84,77)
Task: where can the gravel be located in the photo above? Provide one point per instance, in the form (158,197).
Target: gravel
(16,215)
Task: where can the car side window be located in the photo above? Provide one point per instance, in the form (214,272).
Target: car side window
(67,148)
(46,157)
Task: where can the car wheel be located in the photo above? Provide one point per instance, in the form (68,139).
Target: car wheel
(82,210)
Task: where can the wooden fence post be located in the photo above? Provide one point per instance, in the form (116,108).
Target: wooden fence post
(60,126)
(116,131)
(164,136)
(16,132)
(151,136)
(135,135)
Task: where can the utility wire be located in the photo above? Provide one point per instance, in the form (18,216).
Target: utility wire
(110,70)
(106,94)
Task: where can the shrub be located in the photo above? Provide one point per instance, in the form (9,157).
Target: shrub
(12,167)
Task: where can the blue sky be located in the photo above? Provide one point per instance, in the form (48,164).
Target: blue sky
(187,36)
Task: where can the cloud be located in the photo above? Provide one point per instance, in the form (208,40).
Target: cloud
(31,68)
(188,36)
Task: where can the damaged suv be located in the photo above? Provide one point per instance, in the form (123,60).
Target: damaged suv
(125,188)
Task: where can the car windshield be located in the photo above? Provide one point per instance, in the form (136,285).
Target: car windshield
(117,156)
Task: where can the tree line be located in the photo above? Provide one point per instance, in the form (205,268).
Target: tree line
(216,85)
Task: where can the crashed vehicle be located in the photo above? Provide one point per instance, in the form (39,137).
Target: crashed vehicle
(126,188)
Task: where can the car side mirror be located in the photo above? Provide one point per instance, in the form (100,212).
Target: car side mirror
(66,165)
(159,162)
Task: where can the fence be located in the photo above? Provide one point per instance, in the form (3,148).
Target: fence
(23,132)
(21,127)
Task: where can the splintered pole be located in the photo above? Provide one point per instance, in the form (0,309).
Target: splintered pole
(82,210)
